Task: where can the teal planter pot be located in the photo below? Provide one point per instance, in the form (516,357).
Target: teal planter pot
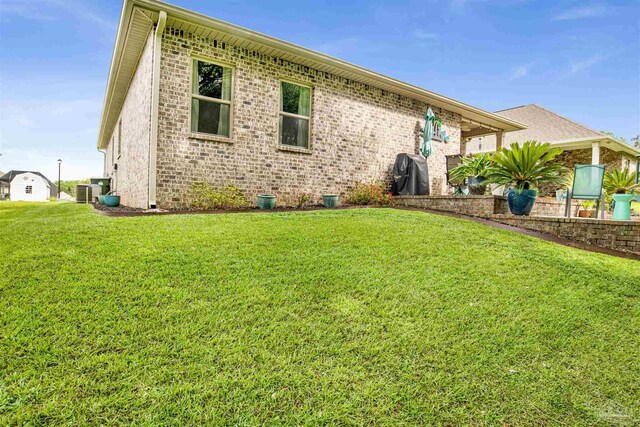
(101,199)
(330,200)
(266,201)
(112,201)
(622,208)
(521,202)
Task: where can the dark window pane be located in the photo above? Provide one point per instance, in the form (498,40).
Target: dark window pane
(209,117)
(296,99)
(212,80)
(294,131)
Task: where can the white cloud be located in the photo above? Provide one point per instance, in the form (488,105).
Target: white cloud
(49,10)
(577,66)
(518,72)
(339,48)
(46,162)
(421,34)
(581,12)
(34,135)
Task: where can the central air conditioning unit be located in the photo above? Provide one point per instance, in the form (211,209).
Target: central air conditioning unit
(87,193)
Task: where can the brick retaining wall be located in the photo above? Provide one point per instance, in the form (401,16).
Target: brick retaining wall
(619,235)
(481,206)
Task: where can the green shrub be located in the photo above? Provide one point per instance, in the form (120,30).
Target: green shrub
(376,193)
(204,196)
(620,181)
(302,200)
(526,166)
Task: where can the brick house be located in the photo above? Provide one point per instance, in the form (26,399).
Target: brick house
(191,98)
(581,144)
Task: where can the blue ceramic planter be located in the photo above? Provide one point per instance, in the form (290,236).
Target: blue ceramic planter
(622,207)
(112,201)
(266,201)
(521,202)
(330,200)
(476,185)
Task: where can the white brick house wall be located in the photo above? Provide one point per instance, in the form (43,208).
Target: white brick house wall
(131,180)
(357,130)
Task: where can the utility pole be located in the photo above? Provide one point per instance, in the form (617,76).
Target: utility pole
(59,163)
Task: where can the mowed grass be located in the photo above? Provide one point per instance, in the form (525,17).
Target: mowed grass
(344,317)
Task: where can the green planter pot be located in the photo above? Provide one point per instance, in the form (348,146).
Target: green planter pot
(112,201)
(330,200)
(101,199)
(266,201)
(622,208)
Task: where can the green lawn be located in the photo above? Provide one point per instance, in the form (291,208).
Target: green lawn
(348,317)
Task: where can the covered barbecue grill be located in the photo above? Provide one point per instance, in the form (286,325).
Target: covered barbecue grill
(410,175)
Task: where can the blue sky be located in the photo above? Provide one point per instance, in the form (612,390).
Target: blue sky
(577,58)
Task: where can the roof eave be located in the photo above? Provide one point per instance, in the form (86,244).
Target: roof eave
(125,15)
(410,90)
(607,140)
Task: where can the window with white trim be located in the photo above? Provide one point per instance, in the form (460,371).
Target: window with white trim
(295,115)
(211,102)
(28,189)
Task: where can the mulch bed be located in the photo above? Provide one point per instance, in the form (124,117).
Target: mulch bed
(129,211)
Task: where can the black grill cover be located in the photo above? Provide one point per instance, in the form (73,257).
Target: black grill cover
(410,175)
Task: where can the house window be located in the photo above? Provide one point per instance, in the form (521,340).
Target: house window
(211,98)
(295,113)
(29,189)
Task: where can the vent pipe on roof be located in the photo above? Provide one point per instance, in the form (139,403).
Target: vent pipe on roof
(155,99)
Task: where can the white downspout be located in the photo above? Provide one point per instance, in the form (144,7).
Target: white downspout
(104,162)
(155,99)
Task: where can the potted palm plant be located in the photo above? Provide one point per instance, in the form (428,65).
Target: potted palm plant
(473,169)
(620,185)
(587,209)
(524,167)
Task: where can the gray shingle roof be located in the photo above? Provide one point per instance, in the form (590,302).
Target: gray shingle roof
(544,125)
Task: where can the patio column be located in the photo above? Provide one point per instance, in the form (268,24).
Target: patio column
(595,153)
(499,140)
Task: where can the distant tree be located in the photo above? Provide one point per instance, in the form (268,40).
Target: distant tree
(69,187)
(635,141)
(611,134)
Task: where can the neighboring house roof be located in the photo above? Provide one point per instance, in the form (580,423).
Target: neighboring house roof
(139,16)
(546,126)
(8,177)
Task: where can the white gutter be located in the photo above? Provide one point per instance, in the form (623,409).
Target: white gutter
(155,99)
(607,142)
(263,39)
(301,54)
